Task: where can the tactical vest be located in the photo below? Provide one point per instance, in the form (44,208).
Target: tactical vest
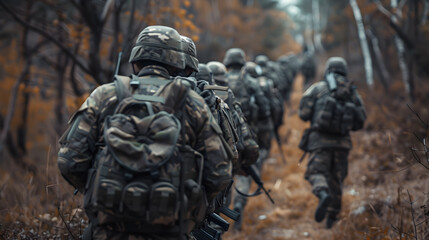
(335,111)
(237,83)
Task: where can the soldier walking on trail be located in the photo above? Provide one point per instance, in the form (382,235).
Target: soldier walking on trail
(334,108)
(145,150)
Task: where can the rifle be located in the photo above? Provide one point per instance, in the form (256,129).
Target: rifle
(279,143)
(253,172)
(209,233)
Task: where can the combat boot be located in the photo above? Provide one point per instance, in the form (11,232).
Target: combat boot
(331,219)
(324,199)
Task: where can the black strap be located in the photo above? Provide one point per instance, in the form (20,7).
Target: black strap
(256,193)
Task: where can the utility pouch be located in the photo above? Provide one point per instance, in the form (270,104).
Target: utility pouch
(348,116)
(325,115)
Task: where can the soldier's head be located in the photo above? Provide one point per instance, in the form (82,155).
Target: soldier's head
(253,69)
(234,58)
(336,65)
(204,73)
(261,60)
(287,59)
(158,45)
(219,72)
(191,61)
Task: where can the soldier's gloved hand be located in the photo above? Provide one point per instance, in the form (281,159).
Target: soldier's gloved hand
(201,84)
(209,97)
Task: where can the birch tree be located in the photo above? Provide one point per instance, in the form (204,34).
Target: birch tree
(363,42)
(317,26)
(384,73)
(401,42)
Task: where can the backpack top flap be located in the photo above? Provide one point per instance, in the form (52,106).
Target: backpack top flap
(142,134)
(142,144)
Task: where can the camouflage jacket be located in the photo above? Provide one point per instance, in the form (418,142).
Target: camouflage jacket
(84,137)
(254,104)
(307,110)
(246,145)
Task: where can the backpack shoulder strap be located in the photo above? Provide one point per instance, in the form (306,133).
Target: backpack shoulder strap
(121,87)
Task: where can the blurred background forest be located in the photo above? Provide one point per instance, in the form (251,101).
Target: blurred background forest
(53,53)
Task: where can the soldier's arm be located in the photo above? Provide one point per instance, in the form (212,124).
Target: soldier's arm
(306,105)
(77,145)
(217,172)
(262,102)
(360,110)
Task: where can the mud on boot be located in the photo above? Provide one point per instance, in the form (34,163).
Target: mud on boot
(324,199)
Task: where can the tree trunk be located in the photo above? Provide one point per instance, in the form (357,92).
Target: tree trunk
(12,104)
(384,74)
(425,12)
(308,39)
(363,43)
(317,26)
(402,57)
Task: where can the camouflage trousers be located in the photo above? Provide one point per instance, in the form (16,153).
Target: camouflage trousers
(264,136)
(326,170)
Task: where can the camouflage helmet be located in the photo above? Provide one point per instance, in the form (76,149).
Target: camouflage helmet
(284,59)
(253,69)
(234,56)
(188,47)
(261,60)
(337,65)
(161,44)
(218,70)
(204,73)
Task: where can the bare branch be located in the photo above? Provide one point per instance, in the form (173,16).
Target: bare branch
(107,10)
(46,35)
(67,226)
(412,215)
(426,125)
(382,9)
(12,102)
(417,158)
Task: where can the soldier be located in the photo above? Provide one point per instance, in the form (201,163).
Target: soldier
(118,212)
(288,64)
(265,128)
(191,61)
(204,73)
(246,89)
(254,105)
(334,108)
(246,145)
(308,67)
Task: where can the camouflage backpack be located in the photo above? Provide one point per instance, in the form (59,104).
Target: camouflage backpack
(335,111)
(238,83)
(145,174)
